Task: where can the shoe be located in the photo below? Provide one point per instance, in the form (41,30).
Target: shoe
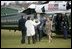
(50,40)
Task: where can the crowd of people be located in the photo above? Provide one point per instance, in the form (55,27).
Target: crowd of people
(62,24)
(35,28)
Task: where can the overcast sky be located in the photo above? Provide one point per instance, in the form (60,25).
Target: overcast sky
(7,2)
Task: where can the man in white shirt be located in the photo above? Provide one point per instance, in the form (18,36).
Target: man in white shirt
(30,32)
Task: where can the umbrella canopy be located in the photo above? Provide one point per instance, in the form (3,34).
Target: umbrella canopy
(29,11)
(32,6)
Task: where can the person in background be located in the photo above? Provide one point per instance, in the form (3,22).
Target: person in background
(40,27)
(22,28)
(66,19)
(58,23)
(36,30)
(30,32)
(64,26)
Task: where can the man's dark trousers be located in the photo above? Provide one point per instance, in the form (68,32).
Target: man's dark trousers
(23,36)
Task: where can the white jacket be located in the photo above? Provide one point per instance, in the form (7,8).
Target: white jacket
(30,27)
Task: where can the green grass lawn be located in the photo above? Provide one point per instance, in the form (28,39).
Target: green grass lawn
(11,39)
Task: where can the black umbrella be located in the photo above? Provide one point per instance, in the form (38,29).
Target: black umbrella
(43,9)
(29,11)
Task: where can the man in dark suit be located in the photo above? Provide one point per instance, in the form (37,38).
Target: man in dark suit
(22,28)
(40,28)
(58,23)
(64,26)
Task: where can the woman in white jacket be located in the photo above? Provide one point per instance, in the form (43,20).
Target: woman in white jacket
(30,29)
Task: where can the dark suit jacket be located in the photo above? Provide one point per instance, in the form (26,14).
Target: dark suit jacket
(22,24)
